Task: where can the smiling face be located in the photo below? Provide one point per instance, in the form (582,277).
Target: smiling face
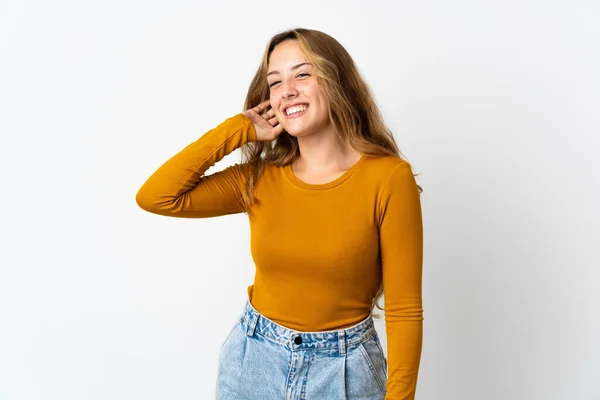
(292,80)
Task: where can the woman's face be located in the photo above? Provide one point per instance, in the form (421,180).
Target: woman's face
(292,81)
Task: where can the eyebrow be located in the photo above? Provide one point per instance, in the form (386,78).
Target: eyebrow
(291,69)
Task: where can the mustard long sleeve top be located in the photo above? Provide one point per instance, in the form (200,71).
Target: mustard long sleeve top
(320,250)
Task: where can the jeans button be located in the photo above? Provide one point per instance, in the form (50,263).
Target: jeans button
(297,340)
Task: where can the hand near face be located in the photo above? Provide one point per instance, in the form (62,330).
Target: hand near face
(267,125)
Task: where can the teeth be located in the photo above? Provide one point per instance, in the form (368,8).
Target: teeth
(295,109)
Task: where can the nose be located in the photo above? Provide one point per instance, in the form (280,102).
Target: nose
(288,90)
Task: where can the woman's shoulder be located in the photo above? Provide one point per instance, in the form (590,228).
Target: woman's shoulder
(385,164)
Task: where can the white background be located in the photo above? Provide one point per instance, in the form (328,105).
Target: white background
(495,103)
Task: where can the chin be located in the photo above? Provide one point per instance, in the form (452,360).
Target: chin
(296,132)
(291,130)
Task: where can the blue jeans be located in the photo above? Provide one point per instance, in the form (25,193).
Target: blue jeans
(262,360)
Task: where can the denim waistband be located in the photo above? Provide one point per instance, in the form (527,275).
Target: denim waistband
(339,339)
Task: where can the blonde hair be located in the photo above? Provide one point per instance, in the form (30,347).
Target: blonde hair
(352,111)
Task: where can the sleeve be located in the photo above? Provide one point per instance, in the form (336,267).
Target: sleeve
(179,188)
(401,246)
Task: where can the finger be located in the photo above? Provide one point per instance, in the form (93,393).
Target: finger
(273,121)
(269,114)
(259,108)
(278,130)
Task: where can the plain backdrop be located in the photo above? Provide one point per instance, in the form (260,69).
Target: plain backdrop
(495,103)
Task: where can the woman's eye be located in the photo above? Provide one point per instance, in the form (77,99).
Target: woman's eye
(276,82)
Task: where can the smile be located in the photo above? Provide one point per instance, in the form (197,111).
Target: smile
(296,111)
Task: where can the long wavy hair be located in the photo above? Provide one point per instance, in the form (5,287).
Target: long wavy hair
(352,110)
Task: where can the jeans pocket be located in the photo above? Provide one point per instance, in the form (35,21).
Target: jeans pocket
(383,357)
(374,357)
(233,328)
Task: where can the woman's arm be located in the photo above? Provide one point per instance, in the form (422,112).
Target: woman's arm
(179,188)
(401,245)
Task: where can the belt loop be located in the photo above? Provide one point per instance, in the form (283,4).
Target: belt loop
(342,342)
(252,324)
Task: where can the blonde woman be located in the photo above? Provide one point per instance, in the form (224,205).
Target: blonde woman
(335,220)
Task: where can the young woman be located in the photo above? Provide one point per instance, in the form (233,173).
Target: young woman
(335,219)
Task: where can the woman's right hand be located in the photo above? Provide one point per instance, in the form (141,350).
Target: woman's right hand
(267,126)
